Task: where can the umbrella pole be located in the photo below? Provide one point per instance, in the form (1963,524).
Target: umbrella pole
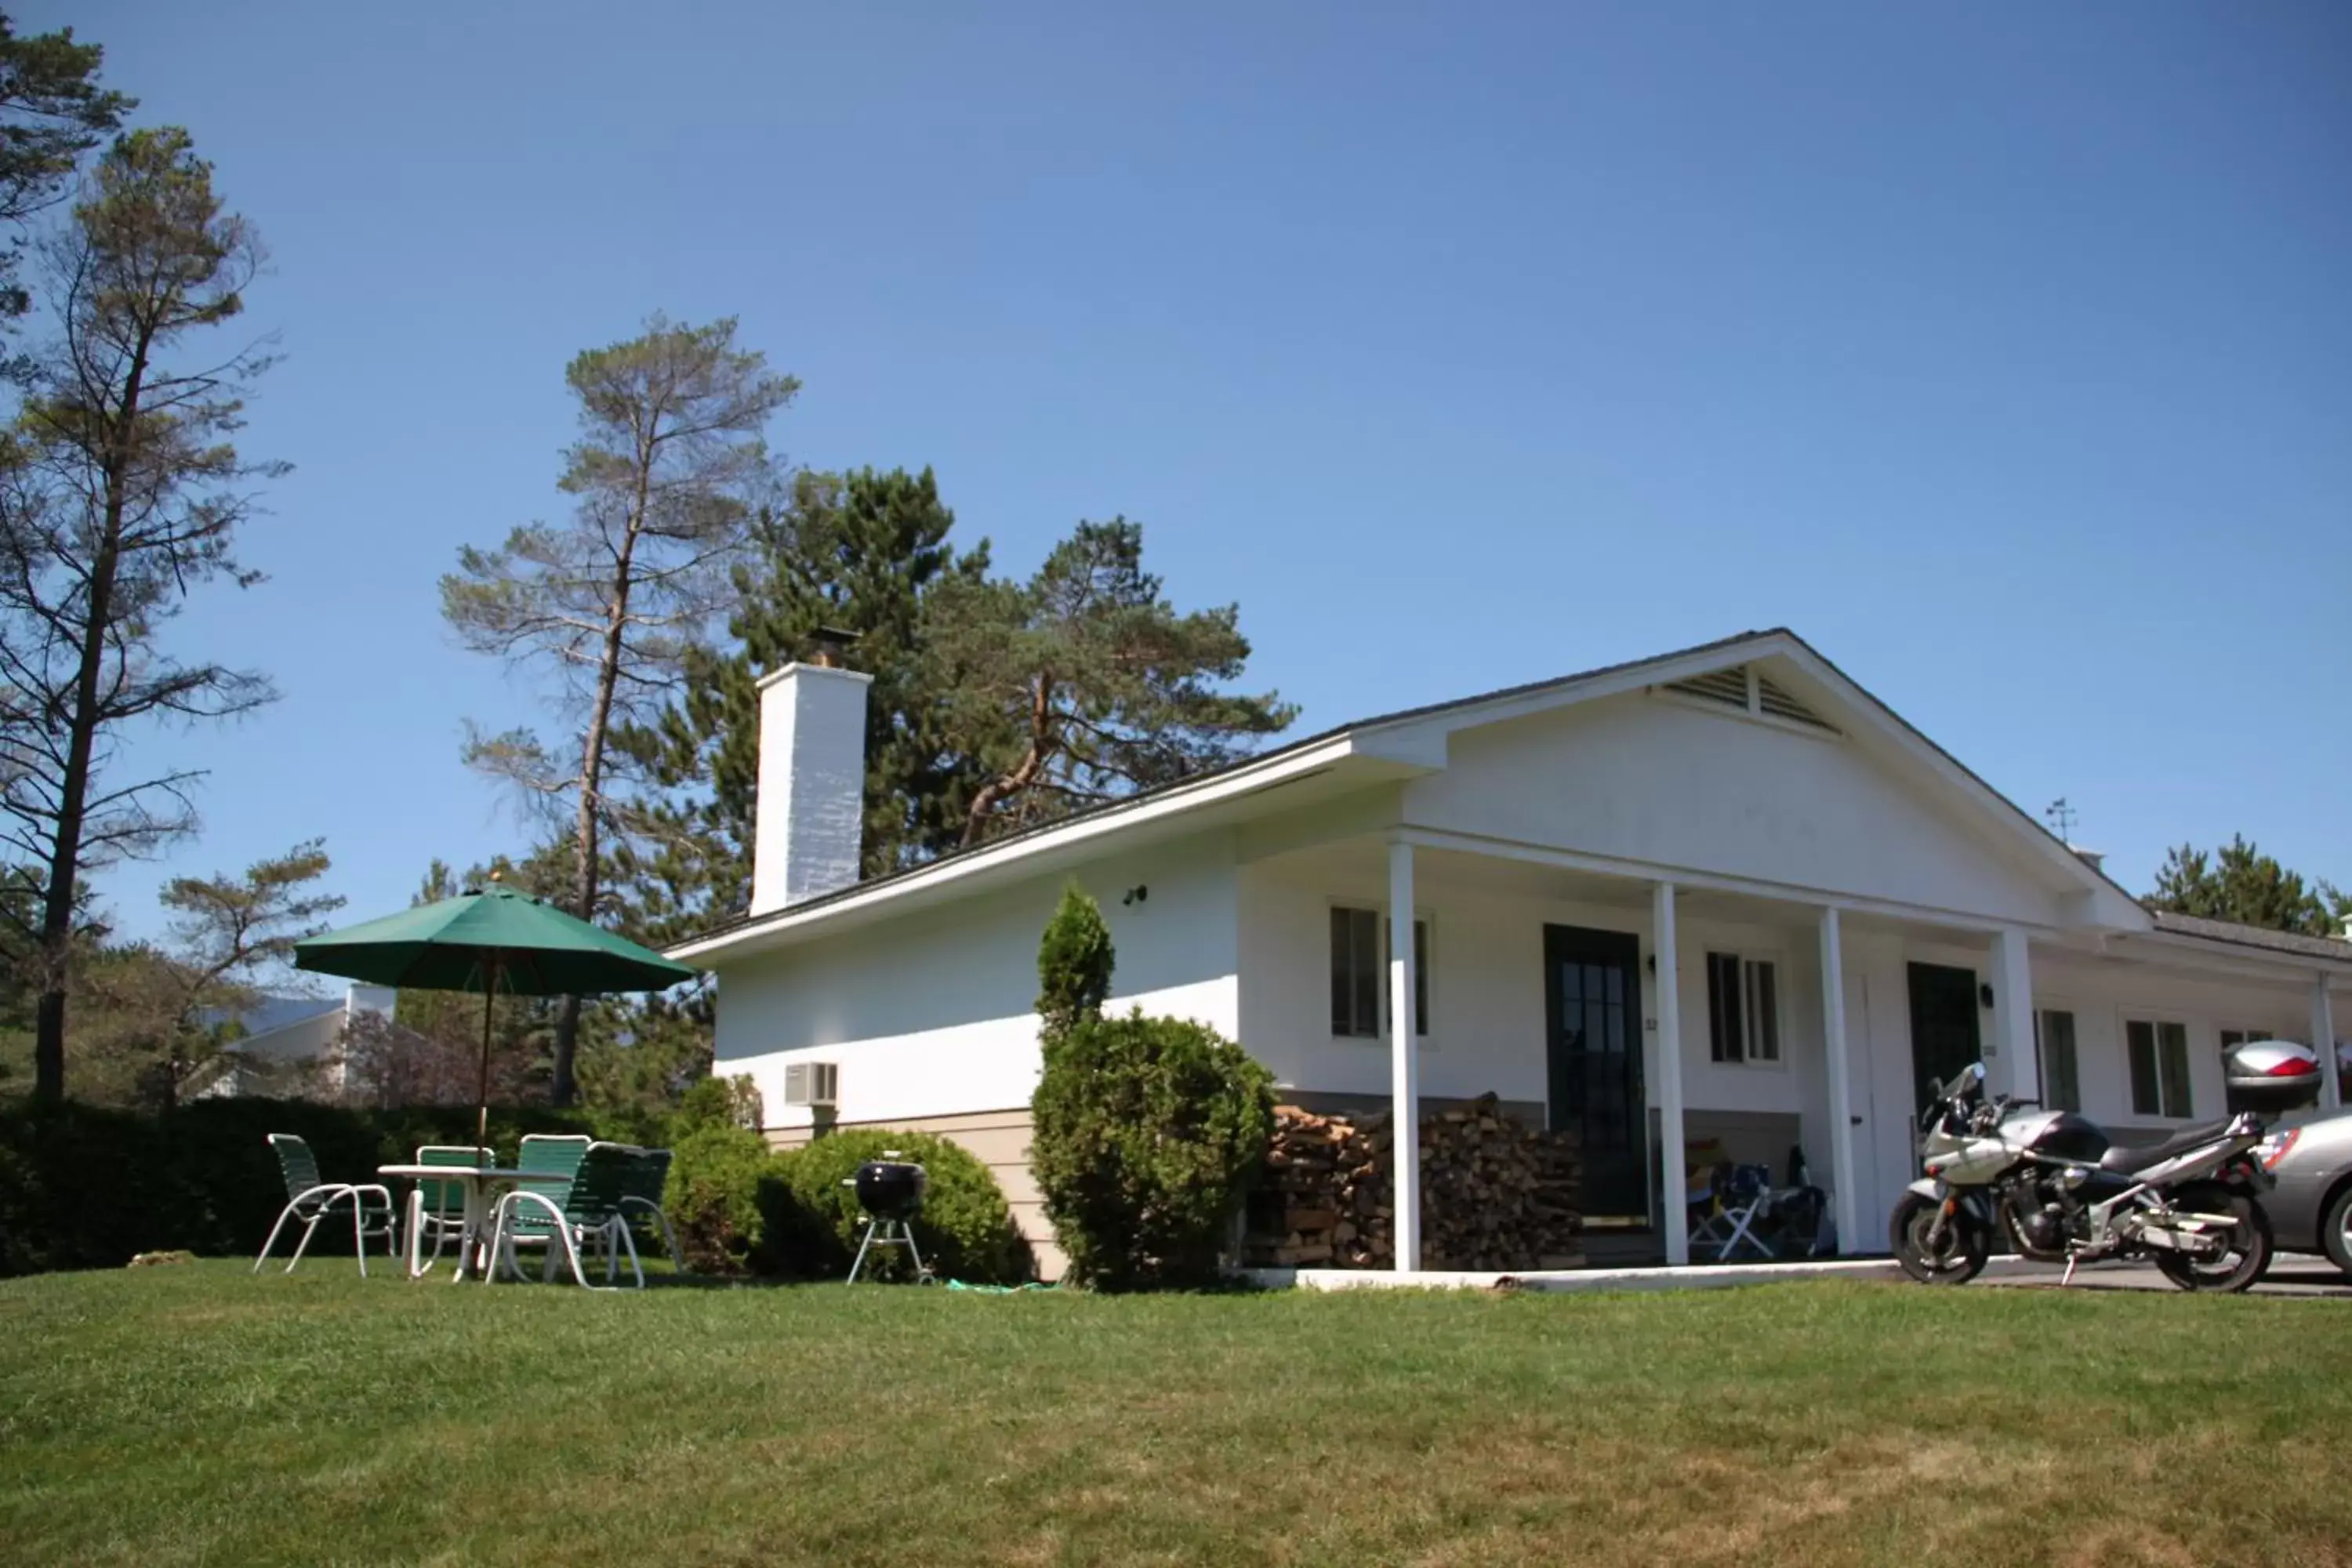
(482,1097)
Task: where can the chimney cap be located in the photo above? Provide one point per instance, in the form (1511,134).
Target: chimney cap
(828,644)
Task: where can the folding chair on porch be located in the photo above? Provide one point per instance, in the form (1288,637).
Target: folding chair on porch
(1744,1198)
(1727,1202)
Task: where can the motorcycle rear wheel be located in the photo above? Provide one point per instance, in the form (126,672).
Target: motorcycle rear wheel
(2248,1256)
(1958,1259)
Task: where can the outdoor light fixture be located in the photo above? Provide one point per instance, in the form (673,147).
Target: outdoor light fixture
(1136,894)
(1984,992)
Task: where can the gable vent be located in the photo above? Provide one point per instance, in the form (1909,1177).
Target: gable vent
(1775,701)
(1743,687)
(1725,685)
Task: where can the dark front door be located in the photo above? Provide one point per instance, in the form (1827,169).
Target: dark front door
(1943,1038)
(1593,1003)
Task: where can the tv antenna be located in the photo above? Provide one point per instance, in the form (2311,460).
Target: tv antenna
(2061,818)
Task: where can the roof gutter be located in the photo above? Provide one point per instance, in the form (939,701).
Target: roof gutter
(998,862)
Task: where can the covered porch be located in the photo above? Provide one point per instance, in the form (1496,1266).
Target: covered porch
(1793,1019)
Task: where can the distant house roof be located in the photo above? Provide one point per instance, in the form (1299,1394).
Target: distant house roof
(271,1014)
(2262,937)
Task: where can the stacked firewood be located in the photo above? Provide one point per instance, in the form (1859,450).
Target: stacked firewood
(1496,1193)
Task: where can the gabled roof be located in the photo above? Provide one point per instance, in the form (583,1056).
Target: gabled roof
(1411,740)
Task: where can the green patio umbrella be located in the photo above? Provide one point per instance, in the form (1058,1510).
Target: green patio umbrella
(490,940)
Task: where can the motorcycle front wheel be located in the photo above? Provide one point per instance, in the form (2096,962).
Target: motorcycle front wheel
(2249,1245)
(1955,1260)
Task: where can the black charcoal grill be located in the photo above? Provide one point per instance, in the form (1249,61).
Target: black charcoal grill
(890,1191)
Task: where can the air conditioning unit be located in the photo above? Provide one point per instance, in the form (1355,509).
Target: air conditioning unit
(813,1083)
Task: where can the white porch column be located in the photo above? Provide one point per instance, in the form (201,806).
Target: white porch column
(2012,1070)
(1844,1173)
(1673,1178)
(2322,1040)
(1404,1060)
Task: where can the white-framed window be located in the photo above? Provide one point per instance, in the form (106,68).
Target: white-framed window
(1743,1009)
(2158,1053)
(1359,973)
(2053,1042)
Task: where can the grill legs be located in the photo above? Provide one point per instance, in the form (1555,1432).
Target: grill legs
(881,1233)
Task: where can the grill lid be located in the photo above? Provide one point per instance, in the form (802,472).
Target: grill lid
(891,1189)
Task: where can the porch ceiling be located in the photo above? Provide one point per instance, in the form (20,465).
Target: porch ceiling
(1358,867)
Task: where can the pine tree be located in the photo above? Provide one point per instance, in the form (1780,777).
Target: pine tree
(1076,961)
(1085,684)
(2240,883)
(121,491)
(670,462)
(862,553)
(52,111)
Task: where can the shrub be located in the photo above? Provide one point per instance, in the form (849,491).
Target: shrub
(1075,963)
(1148,1135)
(715,1199)
(716,1102)
(965,1230)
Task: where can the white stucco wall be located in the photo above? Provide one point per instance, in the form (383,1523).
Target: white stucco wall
(931,1016)
(1669,782)
(1486,997)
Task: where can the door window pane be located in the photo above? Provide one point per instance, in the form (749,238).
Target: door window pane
(1343,974)
(1367,928)
(2062,1084)
(1723,1031)
(2172,1067)
(2139,1043)
(1359,973)
(1763,1013)
(2159,1067)
(1743,1009)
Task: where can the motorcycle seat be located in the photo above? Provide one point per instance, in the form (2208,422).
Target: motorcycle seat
(2129,1159)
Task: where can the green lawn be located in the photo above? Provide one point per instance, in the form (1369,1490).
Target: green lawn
(196,1414)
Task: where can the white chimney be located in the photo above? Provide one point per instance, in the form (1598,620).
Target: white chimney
(810,812)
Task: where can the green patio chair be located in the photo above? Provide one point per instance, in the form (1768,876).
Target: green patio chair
(310,1200)
(587,1214)
(641,1198)
(436,1210)
(558,1153)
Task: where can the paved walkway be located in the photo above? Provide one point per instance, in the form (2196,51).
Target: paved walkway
(2291,1274)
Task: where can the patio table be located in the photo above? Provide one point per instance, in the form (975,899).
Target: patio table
(481,1185)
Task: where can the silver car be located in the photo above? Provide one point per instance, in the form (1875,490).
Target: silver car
(2310,1154)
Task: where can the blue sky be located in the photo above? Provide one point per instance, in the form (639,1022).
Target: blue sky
(2002,351)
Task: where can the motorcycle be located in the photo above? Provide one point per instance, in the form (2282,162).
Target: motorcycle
(2052,1185)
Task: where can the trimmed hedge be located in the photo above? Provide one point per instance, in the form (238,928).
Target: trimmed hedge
(84,1187)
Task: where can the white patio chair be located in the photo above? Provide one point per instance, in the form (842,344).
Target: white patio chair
(310,1200)
(588,1213)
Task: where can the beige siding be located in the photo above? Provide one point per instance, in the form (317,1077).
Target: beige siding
(998,1140)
